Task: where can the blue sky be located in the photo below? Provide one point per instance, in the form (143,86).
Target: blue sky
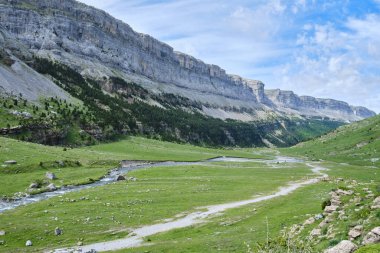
(328,49)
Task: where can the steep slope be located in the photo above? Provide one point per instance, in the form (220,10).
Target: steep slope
(98,46)
(357,143)
(18,78)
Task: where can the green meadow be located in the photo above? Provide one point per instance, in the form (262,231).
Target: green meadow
(111,211)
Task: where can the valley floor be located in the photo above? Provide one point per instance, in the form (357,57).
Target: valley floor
(113,211)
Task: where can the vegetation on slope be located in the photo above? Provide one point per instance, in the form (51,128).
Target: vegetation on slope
(113,108)
(357,143)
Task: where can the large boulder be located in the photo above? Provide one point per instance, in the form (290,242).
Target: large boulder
(330,209)
(355,232)
(342,247)
(50,176)
(51,187)
(34,185)
(372,237)
(120,178)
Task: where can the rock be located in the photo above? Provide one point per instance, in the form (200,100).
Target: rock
(33,186)
(120,178)
(132,179)
(28,243)
(309,221)
(61,163)
(80,244)
(50,176)
(372,237)
(355,232)
(343,192)
(26,115)
(318,216)
(376,203)
(51,187)
(316,232)
(330,209)
(57,231)
(2,232)
(10,162)
(322,224)
(342,247)
(335,202)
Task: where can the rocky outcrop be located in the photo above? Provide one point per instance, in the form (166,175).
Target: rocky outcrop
(288,101)
(99,45)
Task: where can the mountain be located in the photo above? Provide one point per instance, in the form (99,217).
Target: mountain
(99,58)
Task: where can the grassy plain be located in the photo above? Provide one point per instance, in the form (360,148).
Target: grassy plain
(34,160)
(106,213)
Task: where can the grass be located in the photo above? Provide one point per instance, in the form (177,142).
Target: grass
(239,227)
(106,213)
(95,160)
(138,148)
(357,143)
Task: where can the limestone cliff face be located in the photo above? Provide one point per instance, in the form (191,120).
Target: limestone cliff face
(306,105)
(57,28)
(99,45)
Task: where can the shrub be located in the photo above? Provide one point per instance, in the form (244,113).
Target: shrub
(326,203)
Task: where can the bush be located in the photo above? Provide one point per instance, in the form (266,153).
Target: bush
(326,203)
(333,242)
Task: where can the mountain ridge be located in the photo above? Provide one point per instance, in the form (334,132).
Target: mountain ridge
(99,45)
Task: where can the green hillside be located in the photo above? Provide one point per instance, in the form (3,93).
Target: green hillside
(357,143)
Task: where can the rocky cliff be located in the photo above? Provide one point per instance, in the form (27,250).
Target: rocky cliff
(99,45)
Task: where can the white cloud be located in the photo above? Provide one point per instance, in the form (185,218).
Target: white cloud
(337,64)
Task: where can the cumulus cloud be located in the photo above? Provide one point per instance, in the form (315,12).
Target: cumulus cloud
(343,64)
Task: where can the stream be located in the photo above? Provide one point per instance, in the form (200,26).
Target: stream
(112,176)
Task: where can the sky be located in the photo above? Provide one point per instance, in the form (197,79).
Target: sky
(321,48)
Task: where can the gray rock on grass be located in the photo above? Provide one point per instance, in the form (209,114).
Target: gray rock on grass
(372,237)
(57,231)
(10,162)
(51,187)
(50,176)
(355,232)
(344,246)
